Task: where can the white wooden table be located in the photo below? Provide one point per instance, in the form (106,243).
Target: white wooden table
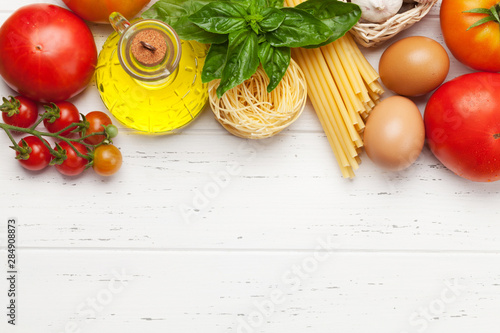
(206,232)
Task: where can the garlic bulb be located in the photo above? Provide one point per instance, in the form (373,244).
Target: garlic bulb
(378,11)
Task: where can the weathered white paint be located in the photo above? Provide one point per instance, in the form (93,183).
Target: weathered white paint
(261,208)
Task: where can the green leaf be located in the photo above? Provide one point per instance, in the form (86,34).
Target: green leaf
(214,62)
(339,16)
(220,17)
(242,60)
(175,13)
(275,62)
(481,21)
(272,19)
(256,6)
(494,13)
(298,29)
(10,106)
(255,27)
(244,3)
(478,11)
(276,3)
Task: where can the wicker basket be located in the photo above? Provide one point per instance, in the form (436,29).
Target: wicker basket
(373,34)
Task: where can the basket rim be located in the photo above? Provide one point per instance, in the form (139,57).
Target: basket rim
(370,34)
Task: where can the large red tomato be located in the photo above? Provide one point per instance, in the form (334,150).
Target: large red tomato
(478,47)
(99,10)
(47,53)
(462,125)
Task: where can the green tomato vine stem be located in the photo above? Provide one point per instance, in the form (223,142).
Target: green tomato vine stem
(9,134)
(43,116)
(57,135)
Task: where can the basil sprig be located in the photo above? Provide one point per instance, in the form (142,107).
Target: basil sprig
(246,33)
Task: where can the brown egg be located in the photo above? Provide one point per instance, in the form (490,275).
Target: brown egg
(394,134)
(414,66)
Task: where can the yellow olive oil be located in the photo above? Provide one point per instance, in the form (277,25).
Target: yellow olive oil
(153,107)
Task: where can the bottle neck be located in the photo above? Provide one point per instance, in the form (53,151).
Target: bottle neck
(150,51)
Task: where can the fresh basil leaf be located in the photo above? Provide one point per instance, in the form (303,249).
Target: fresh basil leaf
(275,62)
(175,13)
(214,62)
(255,27)
(242,60)
(339,16)
(272,19)
(255,16)
(255,6)
(244,3)
(276,3)
(220,17)
(174,8)
(298,29)
(187,30)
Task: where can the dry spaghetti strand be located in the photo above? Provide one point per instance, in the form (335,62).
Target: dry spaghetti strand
(343,88)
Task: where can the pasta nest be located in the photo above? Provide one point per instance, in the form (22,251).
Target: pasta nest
(249,111)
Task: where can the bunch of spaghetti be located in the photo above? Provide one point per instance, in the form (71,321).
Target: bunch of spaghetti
(249,111)
(343,88)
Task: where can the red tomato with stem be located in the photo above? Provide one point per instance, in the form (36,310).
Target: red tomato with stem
(68,114)
(462,125)
(39,153)
(19,111)
(97,121)
(48,53)
(107,160)
(479,46)
(99,10)
(73,165)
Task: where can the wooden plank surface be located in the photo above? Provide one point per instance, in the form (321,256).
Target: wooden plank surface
(247,291)
(210,230)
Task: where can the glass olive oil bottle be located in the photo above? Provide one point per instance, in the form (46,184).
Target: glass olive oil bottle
(148,78)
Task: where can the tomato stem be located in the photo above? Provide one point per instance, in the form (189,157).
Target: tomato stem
(493,14)
(38,122)
(57,135)
(9,134)
(11,107)
(496,136)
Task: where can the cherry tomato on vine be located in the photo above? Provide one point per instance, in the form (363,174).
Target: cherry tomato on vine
(73,165)
(107,160)
(68,114)
(96,121)
(39,154)
(19,111)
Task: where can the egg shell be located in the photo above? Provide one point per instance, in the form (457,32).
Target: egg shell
(414,66)
(394,134)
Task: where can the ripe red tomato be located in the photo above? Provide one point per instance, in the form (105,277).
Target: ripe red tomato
(462,125)
(74,164)
(24,111)
(68,114)
(97,120)
(479,47)
(48,53)
(107,160)
(98,10)
(40,155)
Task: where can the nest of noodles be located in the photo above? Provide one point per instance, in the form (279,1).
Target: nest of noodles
(249,111)
(370,34)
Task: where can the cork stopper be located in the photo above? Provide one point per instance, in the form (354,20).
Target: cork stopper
(149,47)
